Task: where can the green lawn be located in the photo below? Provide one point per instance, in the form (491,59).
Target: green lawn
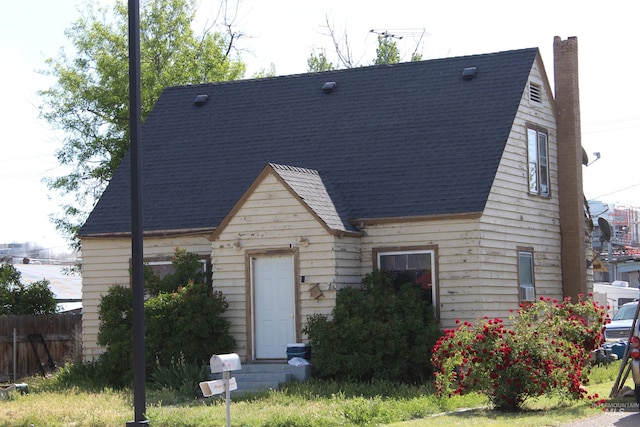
(312,404)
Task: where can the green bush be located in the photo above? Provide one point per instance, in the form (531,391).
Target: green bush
(185,324)
(546,351)
(179,376)
(81,376)
(115,334)
(186,268)
(378,331)
(19,298)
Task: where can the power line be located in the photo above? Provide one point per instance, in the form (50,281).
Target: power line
(616,191)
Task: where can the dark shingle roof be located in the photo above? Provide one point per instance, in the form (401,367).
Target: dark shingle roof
(410,139)
(309,187)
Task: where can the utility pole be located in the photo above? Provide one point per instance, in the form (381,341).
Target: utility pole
(137,259)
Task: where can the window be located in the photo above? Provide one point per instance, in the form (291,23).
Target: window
(538,153)
(525,275)
(411,266)
(161,266)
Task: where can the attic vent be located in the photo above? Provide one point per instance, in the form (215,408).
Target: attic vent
(469,73)
(200,100)
(535,92)
(328,87)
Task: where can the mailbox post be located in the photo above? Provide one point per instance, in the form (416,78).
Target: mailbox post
(225,364)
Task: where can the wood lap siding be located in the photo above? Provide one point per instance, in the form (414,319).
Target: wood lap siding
(513,218)
(457,263)
(270,219)
(106,262)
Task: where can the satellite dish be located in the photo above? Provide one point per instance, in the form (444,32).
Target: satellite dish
(585,158)
(605,229)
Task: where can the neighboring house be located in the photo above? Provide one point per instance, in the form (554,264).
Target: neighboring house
(66,287)
(458,172)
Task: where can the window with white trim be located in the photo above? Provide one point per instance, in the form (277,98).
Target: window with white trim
(161,266)
(538,154)
(525,275)
(411,266)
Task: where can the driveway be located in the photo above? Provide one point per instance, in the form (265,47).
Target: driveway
(618,419)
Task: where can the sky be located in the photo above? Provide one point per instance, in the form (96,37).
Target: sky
(283,33)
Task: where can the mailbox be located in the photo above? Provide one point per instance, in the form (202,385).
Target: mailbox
(224,363)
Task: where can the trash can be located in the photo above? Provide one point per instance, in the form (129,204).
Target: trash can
(619,348)
(302,350)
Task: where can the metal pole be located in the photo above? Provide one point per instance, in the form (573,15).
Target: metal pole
(137,256)
(15,353)
(226,376)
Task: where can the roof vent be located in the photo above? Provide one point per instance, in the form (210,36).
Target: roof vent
(200,100)
(469,73)
(328,87)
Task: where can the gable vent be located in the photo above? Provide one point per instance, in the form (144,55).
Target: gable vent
(469,73)
(535,92)
(200,100)
(328,87)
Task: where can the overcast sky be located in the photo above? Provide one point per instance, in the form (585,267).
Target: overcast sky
(284,32)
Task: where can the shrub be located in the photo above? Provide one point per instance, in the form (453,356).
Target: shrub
(186,268)
(180,376)
(81,376)
(376,332)
(19,298)
(546,351)
(115,334)
(184,324)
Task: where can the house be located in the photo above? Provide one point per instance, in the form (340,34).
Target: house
(66,288)
(464,173)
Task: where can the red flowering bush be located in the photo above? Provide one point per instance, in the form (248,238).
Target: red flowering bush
(545,350)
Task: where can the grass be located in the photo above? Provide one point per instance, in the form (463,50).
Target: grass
(310,404)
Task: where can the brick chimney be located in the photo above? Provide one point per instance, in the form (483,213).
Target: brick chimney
(571,196)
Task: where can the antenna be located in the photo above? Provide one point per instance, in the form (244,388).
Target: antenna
(385,34)
(414,33)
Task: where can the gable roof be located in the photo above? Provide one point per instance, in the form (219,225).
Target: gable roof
(405,140)
(307,186)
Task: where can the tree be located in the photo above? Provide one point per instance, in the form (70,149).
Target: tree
(90,100)
(318,63)
(19,298)
(387,51)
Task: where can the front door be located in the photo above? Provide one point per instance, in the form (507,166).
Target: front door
(274,306)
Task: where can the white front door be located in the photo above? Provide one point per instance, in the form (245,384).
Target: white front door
(274,306)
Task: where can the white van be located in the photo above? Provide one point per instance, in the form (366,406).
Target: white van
(614,294)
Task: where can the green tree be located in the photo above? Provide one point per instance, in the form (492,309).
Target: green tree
(19,298)
(387,51)
(318,63)
(90,100)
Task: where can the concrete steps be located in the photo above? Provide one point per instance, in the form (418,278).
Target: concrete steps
(266,376)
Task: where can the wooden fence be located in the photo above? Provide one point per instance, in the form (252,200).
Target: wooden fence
(39,340)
